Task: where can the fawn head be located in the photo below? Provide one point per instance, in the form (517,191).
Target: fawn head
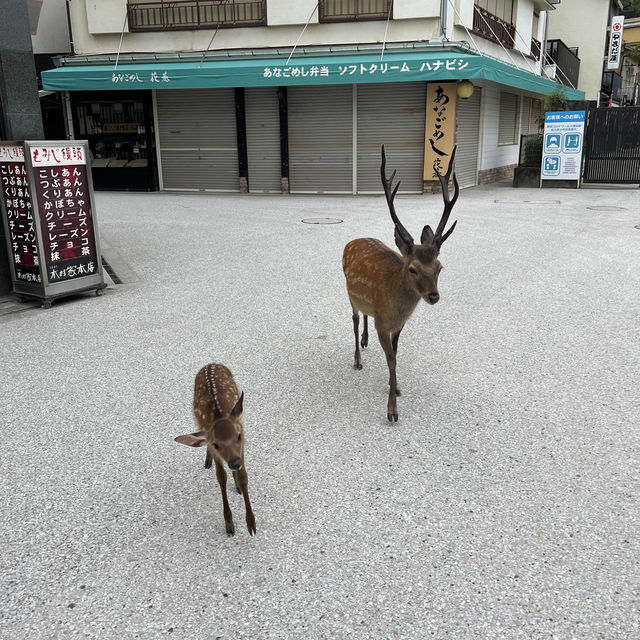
(421,263)
(225,436)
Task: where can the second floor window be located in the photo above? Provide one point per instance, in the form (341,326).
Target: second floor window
(502,9)
(160,15)
(348,10)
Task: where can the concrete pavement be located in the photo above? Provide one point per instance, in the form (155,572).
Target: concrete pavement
(503,504)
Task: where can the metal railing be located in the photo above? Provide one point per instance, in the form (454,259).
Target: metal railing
(566,60)
(350,10)
(630,94)
(164,15)
(536,45)
(492,28)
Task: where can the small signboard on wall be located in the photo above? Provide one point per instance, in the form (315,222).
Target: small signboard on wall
(562,145)
(48,211)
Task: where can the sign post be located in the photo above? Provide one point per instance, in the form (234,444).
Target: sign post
(47,202)
(562,145)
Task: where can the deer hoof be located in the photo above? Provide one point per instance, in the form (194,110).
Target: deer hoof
(364,343)
(357,366)
(231,530)
(251,525)
(392,417)
(398,392)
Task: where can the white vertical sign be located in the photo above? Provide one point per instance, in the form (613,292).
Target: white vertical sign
(615,42)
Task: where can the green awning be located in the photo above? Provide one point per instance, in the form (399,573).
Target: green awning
(317,70)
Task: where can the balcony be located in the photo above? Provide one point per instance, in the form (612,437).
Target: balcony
(492,28)
(566,61)
(535,49)
(354,10)
(165,15)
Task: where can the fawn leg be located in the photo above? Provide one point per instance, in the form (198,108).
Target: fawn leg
(244,484)
(208,459)
(385,341)
(364,343)
(236,480)
(221,474)
(357,364)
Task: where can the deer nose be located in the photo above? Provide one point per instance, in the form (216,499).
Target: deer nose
(235,464)
(433,298)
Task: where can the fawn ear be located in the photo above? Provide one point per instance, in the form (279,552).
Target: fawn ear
(192,439)
(427,235)
(237,410)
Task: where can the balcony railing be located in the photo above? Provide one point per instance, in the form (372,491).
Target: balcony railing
(492,28)
(535,48)
(566,61)
(165,15)
(350,10)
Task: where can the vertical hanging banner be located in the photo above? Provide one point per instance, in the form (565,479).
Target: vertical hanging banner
(615,43)
(17,215)
(62,219)
(562,145)
(440,127)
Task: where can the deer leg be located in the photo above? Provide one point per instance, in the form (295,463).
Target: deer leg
(364,343)
(221,474)
(244,485)
(357,363)
(387,346)
(236,480)
(394,344)
(207,460)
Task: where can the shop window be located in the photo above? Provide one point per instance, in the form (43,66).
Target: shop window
(350,10)
(120,142)
(508,122)
(163,15)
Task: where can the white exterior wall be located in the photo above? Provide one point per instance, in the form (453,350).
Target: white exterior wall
(403,9)
(53,32)
(583,24)
(286,12)
(97,25)
(492,154)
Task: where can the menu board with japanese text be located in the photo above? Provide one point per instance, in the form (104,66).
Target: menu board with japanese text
(61,192)
(18,215)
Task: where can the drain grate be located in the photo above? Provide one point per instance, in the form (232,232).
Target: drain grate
(527,201)
(322,221)
(606,208)
(107,267)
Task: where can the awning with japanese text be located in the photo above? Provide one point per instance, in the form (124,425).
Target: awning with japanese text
(317,70)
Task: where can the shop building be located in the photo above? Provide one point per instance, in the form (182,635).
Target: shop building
(279,96)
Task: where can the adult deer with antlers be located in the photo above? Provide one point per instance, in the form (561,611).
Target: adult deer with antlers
(388,286)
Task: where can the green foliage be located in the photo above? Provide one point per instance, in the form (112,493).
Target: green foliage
(633,52)
(554,101)
(533,152)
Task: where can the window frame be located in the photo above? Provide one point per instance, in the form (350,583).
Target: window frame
(323,18)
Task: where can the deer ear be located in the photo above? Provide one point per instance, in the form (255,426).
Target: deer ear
(237,410)
(405,247)
(192,439)
(427,235)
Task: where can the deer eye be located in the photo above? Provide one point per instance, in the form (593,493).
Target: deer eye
(215,446)
(412,270)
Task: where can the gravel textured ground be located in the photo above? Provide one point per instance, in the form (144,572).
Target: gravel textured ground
(503,504)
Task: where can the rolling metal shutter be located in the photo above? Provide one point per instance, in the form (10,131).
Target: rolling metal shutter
(392,114)
(468,139)
(320,139)
(197,139)
(525,116)
(263,138)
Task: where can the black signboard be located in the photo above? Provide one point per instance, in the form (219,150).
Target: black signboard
(50,219)
(18,215)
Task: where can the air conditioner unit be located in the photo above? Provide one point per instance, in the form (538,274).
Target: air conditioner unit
(550,71)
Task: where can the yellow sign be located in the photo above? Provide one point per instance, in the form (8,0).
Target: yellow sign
(440,130)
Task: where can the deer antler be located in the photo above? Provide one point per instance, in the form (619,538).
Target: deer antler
(401,234)
(448,203)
